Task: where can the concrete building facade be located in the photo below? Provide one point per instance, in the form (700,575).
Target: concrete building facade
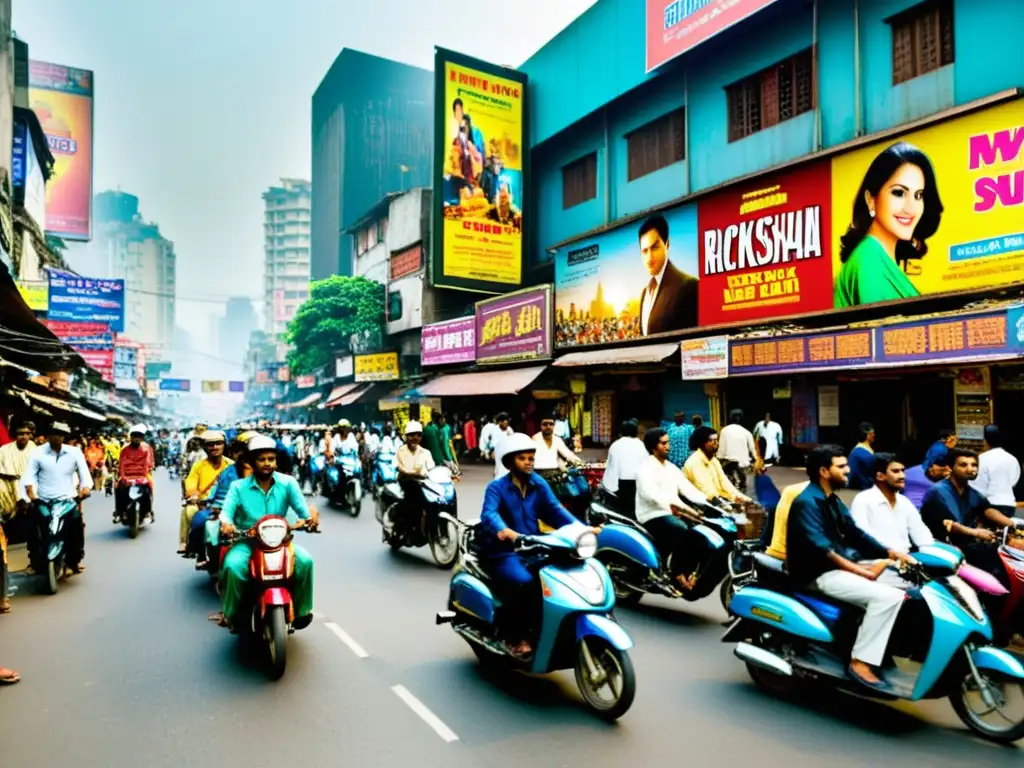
(286,250)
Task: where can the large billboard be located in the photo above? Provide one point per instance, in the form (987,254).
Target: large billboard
(516,326)
(676,26)
(937,210)
(86,300)
(480,174)
(62,97)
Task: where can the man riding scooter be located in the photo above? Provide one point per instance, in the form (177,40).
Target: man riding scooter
(205,531)
(265,492)
(200,481)
(135,464)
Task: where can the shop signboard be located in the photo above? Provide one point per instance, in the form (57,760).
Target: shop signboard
(343,366)
(480,174)
(236,386)
(516,326)
(62,98)
(305,382)
(86,299)
(453,341)
(175,385)
(125,363)
(677,26)
(212,386)
(706,358)
(947,338)
(381,366)
(801,352)
(100,359)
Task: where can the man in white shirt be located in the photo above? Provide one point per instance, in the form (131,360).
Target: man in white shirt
(414,461)
(552,452)
(51,476)
(344,441)
(998,473)
(737,450)
(664,499)
(489,447)
(625,456)
(890,517)
(389,443)
(769,438)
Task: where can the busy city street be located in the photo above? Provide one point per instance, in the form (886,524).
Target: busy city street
(122,667)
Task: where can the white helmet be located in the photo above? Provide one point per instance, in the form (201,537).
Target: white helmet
(261,443)
(413,428)
(513,444)
(138,429)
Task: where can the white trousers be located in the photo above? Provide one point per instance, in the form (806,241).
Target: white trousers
(881,604)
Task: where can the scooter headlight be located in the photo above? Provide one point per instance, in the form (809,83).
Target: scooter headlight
(586,545)
(588,583)
(272,533)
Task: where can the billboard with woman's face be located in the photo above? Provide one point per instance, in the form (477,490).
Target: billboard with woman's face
(934,211)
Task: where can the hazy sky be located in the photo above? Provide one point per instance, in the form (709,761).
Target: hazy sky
(203,104)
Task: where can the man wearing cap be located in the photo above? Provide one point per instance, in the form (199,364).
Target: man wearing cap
(136,463)
(414,461)
(265,492)
(51,476)
(200,481)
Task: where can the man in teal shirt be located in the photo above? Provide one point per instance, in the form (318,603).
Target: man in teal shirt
(265,492)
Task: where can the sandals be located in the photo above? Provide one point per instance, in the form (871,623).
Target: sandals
(8,676)
(220,619)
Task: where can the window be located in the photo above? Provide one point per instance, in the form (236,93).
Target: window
(922,40)
(658,144)
(394,308)
(579,181)
(771,96)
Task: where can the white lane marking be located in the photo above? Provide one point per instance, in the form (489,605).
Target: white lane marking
(342,635)
(425,714)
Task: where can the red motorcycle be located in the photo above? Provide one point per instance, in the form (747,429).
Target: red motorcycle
(1005,607)
(267,614)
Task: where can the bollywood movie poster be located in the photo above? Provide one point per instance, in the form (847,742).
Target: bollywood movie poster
(933,211)
(764,248)
(636,281)
(480,174)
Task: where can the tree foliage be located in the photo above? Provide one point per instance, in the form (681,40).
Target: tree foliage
(337,308)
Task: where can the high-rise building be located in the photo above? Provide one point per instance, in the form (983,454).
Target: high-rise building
(126,246)
(234,329)
(286,223)
(372,126)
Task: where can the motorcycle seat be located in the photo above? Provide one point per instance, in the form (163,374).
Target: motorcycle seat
(766,563)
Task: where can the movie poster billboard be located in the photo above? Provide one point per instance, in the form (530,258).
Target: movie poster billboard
(635,281)
(62,98)
(480,174)
(933,211)
(516,326)
(764,247)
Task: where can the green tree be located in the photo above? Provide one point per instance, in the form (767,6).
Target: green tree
(337,308)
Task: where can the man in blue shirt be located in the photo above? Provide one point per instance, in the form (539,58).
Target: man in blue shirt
(939,451)
(920,480)
(862,460)
(514,505)
(827,551)
(679,440)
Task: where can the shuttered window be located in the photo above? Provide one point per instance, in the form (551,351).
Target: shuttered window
(771,96)
(922,40)
(655,145)
(579,181)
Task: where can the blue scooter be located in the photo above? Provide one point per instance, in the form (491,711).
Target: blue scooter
(48,556)
(577,629)
(385,470)
(786,633)
(343,483)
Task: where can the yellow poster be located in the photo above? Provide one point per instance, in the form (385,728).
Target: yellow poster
(382,366)
(36,294)
(933,211)
(481,130)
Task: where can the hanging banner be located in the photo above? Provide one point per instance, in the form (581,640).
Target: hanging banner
(705,358)
(62,98)
(453,341)
(516,326)
(175,385)
(480,174)
(382,366)
(236,386)
(212,387)
(85,299)
(36,294)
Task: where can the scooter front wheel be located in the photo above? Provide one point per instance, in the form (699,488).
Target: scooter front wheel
(133,531)
(54,572)
(1001,718)
(611,693)
(444,544)
(275,632)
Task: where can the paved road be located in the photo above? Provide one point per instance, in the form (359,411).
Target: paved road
(123,669)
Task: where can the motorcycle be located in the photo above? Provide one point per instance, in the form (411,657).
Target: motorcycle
(317,465)
(436,506)
(132,515)
(636,566)
(268,603)
(385,470)
(786,634)
(1005,606)
(577,629)
(343,483)
(571,488)
(56,531)
(108,481)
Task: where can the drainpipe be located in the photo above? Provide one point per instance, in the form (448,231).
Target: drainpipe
(858,128)
(817,99)
(607,170)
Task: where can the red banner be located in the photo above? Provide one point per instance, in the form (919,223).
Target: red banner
(100,359)
(62,328)
(765,248)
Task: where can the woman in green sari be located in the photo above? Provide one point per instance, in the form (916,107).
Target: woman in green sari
(896,210)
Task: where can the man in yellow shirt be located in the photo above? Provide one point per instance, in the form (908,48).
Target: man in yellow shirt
(200,481)
(704,470)
(777,547)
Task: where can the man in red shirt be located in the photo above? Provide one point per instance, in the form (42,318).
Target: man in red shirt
(136,463)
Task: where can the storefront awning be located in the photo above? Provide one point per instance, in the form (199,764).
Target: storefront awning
(647,353)
(305,402)
(334,399)
(353,396)
(508,382)
(65,405)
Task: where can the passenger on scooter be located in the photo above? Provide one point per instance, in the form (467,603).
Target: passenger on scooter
(266,492)
(704,470)
(955,512)
(515,505)
(136,463)
(888,516)
(201,481)
(828,552)
(552,452)
(665,506)
(344,442)
(625,457)
(205,528)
